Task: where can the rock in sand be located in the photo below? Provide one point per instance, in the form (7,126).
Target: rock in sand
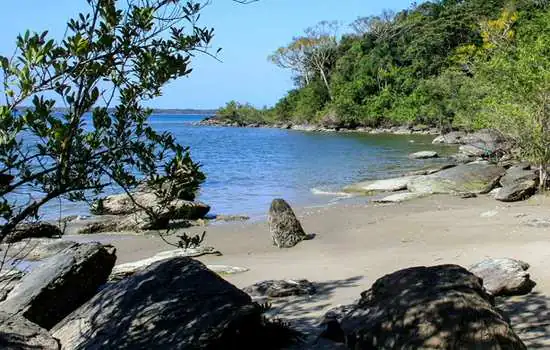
(517,191)
(280,288)
(439,307)
(504,277)
(286,231)
(385,185)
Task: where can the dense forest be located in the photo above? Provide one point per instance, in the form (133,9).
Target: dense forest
(450,64)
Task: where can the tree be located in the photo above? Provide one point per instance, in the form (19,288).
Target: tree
(381,27)
(322,43)
(111,60)
(294,57)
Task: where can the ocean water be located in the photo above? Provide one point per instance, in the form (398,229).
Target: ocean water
(248,167)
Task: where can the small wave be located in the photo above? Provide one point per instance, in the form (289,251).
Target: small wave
(321,192)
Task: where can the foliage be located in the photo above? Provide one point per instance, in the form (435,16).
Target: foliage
(417,66)
(112,58)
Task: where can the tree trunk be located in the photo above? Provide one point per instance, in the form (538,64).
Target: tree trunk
(322,71)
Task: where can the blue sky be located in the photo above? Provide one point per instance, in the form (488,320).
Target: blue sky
(247,34)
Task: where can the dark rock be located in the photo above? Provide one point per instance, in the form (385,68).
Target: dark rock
(280,288)
(504,277)
(5,179)
(34,230)
(470,178)
(61,284)
(468,195)
(440,307)
(286,230)
(18,333)
(517,191)
(173,304)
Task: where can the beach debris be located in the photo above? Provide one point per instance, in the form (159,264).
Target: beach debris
(423,155)
(122,271)
(438,307)
(281,288)
(286,231)
(176,303)
(489,214)
(467,195)
(61,284)
(21,334)
(504,277)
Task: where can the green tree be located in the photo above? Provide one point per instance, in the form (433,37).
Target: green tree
(112,58)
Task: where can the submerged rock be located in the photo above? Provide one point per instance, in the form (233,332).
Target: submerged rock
(61,284)
(470,178)
(286,230)
(504,277)
(439,307)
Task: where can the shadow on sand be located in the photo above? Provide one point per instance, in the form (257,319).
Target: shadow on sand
(303,312)
(530,318)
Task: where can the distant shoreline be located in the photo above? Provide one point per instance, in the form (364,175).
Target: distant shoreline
(168,111)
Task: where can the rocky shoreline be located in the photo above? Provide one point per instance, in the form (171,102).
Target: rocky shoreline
(396,130)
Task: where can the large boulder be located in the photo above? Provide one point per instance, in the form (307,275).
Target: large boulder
(517,191)
(385,185)
(504,277)
(122,204)
(439,307)
(484,143)
(18,333)
(61,284)
(173,304)
(398,197)
(10,278)
(470,178)
(33,230)
(286,231)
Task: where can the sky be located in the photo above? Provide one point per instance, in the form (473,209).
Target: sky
(247,34)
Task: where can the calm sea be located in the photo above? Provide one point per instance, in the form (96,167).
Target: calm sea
(247,168)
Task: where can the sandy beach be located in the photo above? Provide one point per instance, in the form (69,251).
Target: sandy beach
(357,243)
